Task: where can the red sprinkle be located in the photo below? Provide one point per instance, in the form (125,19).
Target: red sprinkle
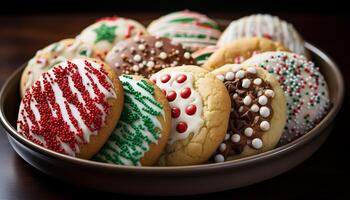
(185,93)
(175,112)
(171,96)
(191,109)
(181,127)
(165,78)
(182,78)
(153,80)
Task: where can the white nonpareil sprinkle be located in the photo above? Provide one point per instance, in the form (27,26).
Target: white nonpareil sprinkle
(251,70)
(240,74)
(220,77)
(257,143)
(150,64)
(246,83)
(158,44)
(137,58)
(247,100)
(187,55)
(227,136)
(269,93)
(135,68)
(264,111)
(235,95)
(257,81)
(248,132)
(235,138)
(240,109)
(219,158)
(222,147)
(163,55)
(254,108)
(141,47)
(262,100)
(265,125)
(230,76)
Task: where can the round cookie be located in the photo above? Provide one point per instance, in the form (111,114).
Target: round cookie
(51,55)
(72,108)
(200,108)
(305,89)
(202,55)
(108,31)
(241,49)
(192,29)
(258,111)
(143,129)
(146,55)
(264,25)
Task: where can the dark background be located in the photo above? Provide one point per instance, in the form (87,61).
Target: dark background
(26,26)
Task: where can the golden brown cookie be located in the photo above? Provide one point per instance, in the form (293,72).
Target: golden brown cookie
(72,108)
(143,130)
(258,111)
(241,49)
(50,56)
(200,108)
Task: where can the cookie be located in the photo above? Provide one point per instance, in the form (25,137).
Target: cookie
(108,31)
(146,55)
(264,25)
(143,129)
(51,55)
(72,108)
(193,30)
(305,89)
(203,54)
(258,111)
(200,108)
(239,50)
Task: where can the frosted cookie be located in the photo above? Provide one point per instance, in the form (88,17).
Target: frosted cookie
(146,55)
(258,111)
(51,55)
(72,108)
(143,129)
(108,31)
(304,87)
(200,108)
(241,49)
(264,25)
(202,55)
(192,29)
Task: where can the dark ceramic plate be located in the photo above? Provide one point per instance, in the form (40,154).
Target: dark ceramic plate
(173,180)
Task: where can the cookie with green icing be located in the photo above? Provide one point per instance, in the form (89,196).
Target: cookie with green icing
(142,132)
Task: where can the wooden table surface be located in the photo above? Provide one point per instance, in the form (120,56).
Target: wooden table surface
(321,176)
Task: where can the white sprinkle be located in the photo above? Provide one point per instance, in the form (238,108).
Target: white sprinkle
(137,58)
(159,44)
(246,83)
(142,47)
(220,77)
(265,125)
(187,55)
(264,111)
(269,93)
(163,55)
(153,51)
(262,100)
(257,143)
(227,136)
(240,74)
(235,95)
(141,65)
(254,108)
(247,100)
(235,138)
(240,109)
(230,76)
(248,132)
(222,147)
(257,81)
(136,39)
(174,63)
(117,65)
(235,68)
(177,51)
(251,70)
(219,158)
(135,68)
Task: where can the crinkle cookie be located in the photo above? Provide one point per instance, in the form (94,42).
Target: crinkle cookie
(51,55)
(108,31)
(241,49)
(304,86)
(200,107)
(72,108)
(258,111)
(146,55)
(193,30)
(264,25)
(143,129)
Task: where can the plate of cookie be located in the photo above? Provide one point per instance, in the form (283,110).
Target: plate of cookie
(183,105)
